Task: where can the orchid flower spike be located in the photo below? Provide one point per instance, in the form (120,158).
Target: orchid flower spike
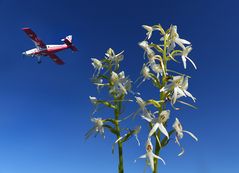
(150,155)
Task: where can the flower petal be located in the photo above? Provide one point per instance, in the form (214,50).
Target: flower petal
(160,158)
(191,134)
(194,65)
(163,130)
(184,62)
(142,157)
(182,151)
(183,41)
(189,95)
(151,159)
(153,130)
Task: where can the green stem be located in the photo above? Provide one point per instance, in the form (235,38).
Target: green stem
(156,152)
(162,97)
(120,144)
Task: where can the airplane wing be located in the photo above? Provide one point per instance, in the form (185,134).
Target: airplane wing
(56,59)
(38,42)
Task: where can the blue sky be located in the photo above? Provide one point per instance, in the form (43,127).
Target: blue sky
(44,109)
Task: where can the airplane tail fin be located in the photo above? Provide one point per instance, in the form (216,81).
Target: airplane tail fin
(68,41)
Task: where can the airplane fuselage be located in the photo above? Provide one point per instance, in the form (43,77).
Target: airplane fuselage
(50,49)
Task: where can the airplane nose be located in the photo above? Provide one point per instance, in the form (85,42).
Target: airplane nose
(23,53)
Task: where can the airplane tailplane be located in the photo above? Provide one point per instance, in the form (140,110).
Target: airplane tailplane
(68,41)
(73,48)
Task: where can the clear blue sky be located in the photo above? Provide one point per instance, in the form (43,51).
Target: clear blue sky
(44,109)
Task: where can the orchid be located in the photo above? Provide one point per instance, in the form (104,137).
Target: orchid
(179,134)
(158,123)
(115,58)
(157,69)
(142,104)
(170,86)
(98,127)
(145,72)
(97,65)
(150,155)
(150,29)
(178,86)
(174,38)
(120,83)
(150,53)
(184,56)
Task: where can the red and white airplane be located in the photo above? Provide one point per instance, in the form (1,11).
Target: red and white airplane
(47,50)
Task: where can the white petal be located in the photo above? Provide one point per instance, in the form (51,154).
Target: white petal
(174,96)
(184,62)
(151,160)
(163,130)
(184,41)
(180,92)
(153,130)
(182,151)
(178,41)
(191,134)
(137,139)
(189,95)
(143,156)
(194,65)
(160,158)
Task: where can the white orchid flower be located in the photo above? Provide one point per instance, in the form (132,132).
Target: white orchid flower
(142,104)
(159,123)
(97,65)
(185,57)
(156,68)
(98,127)
(150,53)
(178,86)
(121,84)
(145,72)
(150,155)
(179,134)
(174,38)
(149,30)
(115,58)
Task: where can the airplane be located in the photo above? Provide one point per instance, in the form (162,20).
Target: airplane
(47,50)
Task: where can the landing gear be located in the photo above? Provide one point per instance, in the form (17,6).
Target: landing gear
(39,60)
